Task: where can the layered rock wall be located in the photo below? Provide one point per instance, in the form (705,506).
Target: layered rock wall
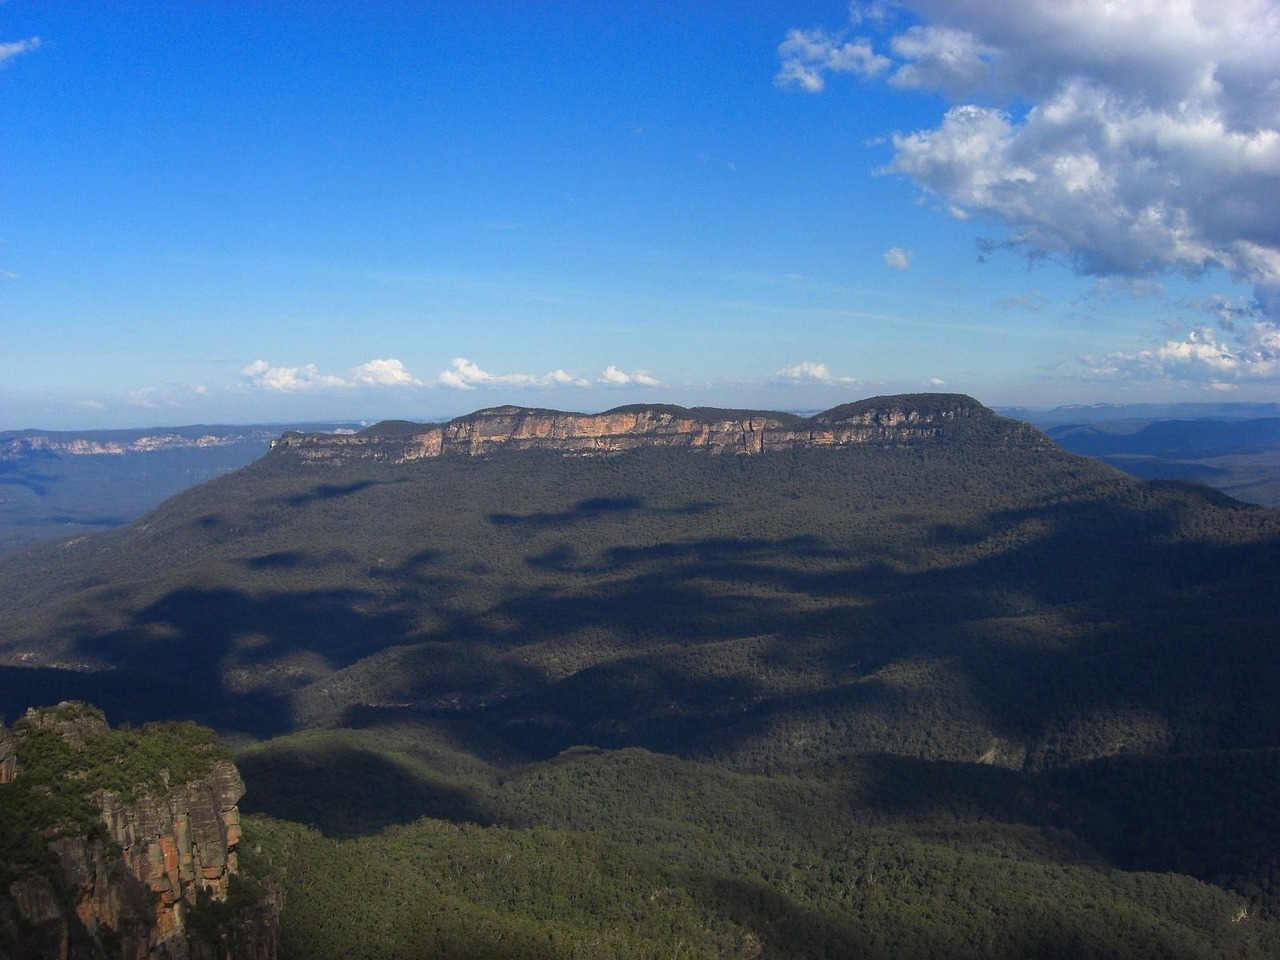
(131,887)
(890,420)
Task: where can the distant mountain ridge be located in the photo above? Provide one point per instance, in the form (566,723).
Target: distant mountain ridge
(899,419)
(15,445)
(59,483)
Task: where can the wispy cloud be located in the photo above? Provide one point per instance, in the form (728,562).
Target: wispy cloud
(1033,301)
(16,48)
(149,398)
(898,258)
(807,54)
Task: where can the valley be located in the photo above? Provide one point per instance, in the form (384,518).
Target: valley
(900,679)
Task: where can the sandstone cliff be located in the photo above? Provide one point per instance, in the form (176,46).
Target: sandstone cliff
(886,420)
(144,871)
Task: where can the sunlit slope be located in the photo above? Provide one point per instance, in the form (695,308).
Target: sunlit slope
(964,599)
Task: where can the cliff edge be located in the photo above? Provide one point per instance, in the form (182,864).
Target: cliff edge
(123,844)
(903,419)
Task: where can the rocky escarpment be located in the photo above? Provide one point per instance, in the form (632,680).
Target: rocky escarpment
(143,869)
(887,420)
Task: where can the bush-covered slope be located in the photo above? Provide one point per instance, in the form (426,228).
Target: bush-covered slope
(953,601)
(631,854)
(969,696)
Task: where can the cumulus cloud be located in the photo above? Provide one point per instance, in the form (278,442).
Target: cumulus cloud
(898,258)
(17,47)
(464,374)
(619,378)
(384,373)
(807,371)
(387,372)
(1127,138)
(289,379)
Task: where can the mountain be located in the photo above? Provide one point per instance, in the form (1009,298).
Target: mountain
(1240,457)
(904,675)
(1099,413)
(896,420)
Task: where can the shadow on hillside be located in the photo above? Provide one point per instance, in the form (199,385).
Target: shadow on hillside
(138,696)
(328,491)
(774,918)
(1077,629)
(347,792)
(1071,628)
(593,508)
(189,642)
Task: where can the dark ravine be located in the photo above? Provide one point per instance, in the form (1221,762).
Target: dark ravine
(892,420)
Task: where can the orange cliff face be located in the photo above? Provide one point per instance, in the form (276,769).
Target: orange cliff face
(129,889)
(884,420)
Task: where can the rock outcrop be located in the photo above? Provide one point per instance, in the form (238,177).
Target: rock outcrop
(886,420)
(151,878)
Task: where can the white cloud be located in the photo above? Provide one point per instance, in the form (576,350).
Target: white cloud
(1220,356)
(467,375)
(560,378)
(807,371)
(17,47)
(807,54)
(618,378)
(384,373)
(898,258)
(1139,137)
(289,379)
(940,58)
(387,372)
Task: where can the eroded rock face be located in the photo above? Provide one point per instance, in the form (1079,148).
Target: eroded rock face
(891,420)
(131,887)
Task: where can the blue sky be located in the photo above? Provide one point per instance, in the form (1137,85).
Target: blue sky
(234,212)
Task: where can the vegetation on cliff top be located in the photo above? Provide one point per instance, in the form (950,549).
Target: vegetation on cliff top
(66,757)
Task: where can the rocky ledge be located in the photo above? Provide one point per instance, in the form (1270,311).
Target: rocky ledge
(144,871)
(895,420)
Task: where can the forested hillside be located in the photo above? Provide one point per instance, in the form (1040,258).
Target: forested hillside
(963,695)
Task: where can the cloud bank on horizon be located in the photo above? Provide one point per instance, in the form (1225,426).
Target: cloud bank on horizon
(1129,139)
(463,374)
